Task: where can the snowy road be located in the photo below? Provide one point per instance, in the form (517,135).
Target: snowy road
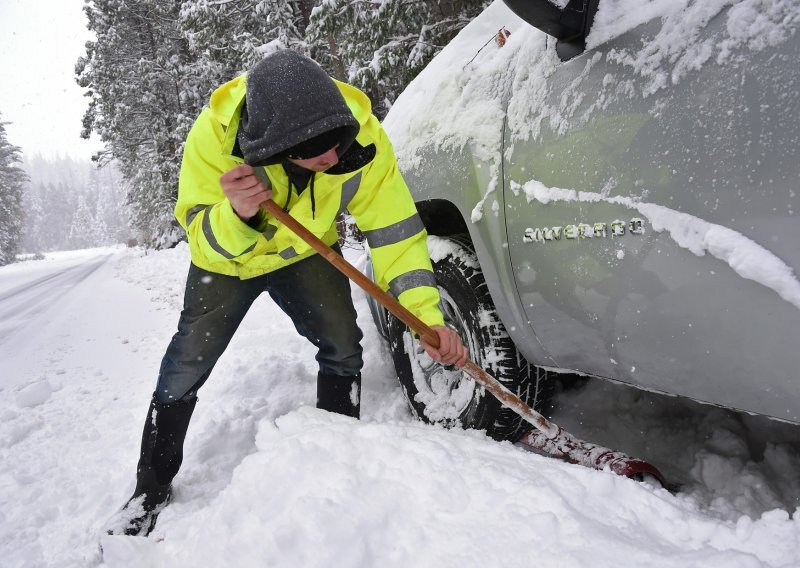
(269,481)
(22,303)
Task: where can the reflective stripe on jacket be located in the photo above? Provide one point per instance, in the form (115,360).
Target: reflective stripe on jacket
(375,194)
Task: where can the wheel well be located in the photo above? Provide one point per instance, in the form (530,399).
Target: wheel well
(441,218)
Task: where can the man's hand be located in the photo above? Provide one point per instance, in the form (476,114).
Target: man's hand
(451,349)
(244,190)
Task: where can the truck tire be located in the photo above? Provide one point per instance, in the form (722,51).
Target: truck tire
(443,394)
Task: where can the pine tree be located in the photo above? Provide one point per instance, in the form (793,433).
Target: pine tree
(142,103)
(60,203)
(12,183)
(81,230)
(52,199)
(380,47)
(109,213)
(33,238)
(227,38)
(154,64)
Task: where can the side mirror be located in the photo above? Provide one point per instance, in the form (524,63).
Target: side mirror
(569,25)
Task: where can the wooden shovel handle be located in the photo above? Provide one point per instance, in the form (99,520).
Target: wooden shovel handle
(505,396)
(412,321)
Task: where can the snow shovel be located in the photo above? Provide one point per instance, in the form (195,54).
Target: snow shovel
(546,437)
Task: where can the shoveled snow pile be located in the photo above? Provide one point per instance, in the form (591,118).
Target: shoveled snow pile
(270,481)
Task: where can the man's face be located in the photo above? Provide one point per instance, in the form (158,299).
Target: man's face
(319,163)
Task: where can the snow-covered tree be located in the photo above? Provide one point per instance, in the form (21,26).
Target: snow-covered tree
(12,183)
(154,64)
(142,103)
(61,187)
(82,228)
(227,38)
(55,205)
(32,237)
(110,211)
(381,46)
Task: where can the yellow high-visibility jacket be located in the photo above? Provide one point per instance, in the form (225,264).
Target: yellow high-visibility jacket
(376,195)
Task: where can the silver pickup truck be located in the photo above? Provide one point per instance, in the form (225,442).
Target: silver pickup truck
(610,188)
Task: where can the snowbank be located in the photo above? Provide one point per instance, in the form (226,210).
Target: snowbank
(327,491)
(268,481)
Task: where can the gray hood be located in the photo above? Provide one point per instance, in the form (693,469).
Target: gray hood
(290,100)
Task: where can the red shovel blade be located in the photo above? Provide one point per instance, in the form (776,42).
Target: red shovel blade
(569,448)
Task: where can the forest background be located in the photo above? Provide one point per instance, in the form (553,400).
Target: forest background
(148,73)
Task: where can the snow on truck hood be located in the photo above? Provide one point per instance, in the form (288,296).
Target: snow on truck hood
(458,98)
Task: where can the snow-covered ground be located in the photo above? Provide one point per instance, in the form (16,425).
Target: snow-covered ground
(270,481)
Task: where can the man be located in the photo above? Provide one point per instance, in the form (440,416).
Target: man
(323,151)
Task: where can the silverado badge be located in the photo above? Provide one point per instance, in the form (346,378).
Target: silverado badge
(616,228)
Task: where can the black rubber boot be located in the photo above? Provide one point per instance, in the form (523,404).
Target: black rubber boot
(159,461)
(339,394)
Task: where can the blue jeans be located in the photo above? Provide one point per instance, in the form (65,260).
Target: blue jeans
(311,292)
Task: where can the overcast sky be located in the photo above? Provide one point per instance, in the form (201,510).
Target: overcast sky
(40,41)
